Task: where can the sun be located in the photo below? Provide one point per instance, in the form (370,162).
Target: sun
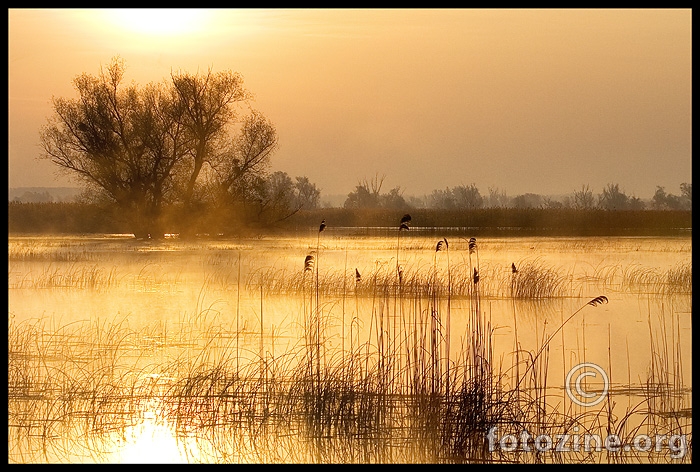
(158,21)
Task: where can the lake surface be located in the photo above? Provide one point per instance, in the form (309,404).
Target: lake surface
(403,317)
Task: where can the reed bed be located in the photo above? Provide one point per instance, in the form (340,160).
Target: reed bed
(76,276)
(81,276)
(534,280)
(407,388)
(648,280)
(396,397)
(72,399)
(39,251)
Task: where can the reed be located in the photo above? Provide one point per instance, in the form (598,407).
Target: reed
(536,280)
(277,410)
(75,276)
(405,390)
(635,278)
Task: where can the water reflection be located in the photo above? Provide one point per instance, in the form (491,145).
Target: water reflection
(152,440)
(228,353)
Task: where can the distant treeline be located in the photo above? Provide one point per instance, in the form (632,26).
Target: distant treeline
(368,194)
(191,155)
(80,218)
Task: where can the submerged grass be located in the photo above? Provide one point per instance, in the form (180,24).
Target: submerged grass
(74,390)
(396,394)
(535,280)
(76,276)
(649,280)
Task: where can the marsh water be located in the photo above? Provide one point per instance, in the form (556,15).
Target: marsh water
(271,349)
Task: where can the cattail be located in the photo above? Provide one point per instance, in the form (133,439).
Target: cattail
(403,226)
(323,226)
(512,267)
(309,263)
(358,279)
(598,300)
(405,218)
(472,245)
(476,276)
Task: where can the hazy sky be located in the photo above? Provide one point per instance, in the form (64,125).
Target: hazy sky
(540,101)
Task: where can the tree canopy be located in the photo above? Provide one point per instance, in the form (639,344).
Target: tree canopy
(179,148)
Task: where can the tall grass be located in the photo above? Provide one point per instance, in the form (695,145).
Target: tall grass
(76,276)
(649,280)
(406,390)
(538,281)
(535,280)
(61,408)
(73,389)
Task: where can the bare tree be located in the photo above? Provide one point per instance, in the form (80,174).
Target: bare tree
(443,199)
(658,201)
(277,197)
(122,142)
(583,199)
(467,197)
(373,186)
(393,199)
(207,112)
(246,158)
(687,190)
(147,147)
(663,201)
(307,194)
(497,198)
(551,204)
(612,198)
(366,194)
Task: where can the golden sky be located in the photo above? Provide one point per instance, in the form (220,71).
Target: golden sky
(540,101)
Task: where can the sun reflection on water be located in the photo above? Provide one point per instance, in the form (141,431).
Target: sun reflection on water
(150,442)
(213,361)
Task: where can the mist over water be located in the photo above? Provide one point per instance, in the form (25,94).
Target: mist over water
(216,338)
